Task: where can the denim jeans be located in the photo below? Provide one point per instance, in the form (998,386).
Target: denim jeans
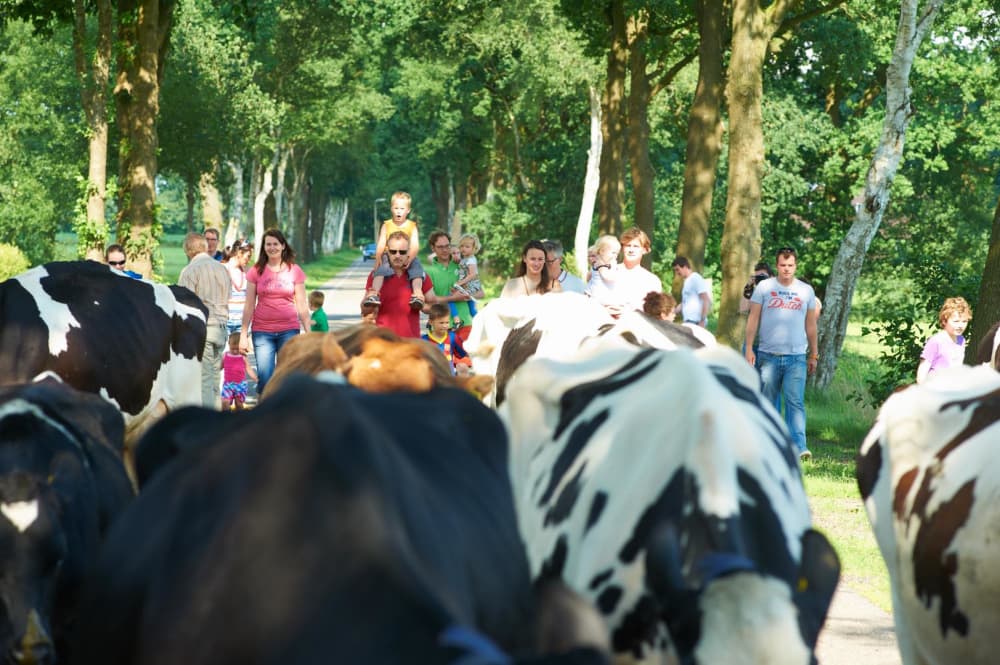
(785,377)
(266,346)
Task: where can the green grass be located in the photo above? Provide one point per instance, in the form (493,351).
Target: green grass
(836,425)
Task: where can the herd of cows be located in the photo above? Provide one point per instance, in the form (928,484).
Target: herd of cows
(603,490)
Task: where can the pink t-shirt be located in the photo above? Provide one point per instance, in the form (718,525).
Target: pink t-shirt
(275,309)
(234,368)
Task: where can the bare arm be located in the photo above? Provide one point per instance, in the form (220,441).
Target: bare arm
(251,372)
(923,369)
(302,306)
(248,316)
(380,246)
(813,358)
(753,320)
(414,245)
(706,307)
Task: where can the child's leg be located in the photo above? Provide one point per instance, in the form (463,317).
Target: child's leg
(226,404)
(378,278)
(472,308)
(416,274)
(238,403)
(456,319)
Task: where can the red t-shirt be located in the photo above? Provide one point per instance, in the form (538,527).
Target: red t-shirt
(395,313)
(275,308)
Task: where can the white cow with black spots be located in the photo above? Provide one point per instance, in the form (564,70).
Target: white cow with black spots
(929,473)
(663,486)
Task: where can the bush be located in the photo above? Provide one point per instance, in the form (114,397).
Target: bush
(12,261)
(503,231)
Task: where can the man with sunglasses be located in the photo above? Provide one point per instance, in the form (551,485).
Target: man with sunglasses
(444,271)
(395,311)
(784,310)
(115,256)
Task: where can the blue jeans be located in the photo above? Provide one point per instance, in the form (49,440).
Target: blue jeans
(266,346)
(785,377)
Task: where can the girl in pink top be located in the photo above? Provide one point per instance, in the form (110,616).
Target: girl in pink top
(235,369)
(276,307)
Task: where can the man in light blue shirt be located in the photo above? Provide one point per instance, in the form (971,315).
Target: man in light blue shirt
(783,308)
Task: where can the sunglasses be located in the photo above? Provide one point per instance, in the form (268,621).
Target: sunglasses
(786,250)
(397,252)
(116,263)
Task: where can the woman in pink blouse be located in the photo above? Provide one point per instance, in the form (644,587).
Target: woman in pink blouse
(276,306)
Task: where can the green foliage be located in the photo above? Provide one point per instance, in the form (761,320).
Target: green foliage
(503,230)
(907,314)
(12,261)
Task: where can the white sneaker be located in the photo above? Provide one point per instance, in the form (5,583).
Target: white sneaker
(805,455)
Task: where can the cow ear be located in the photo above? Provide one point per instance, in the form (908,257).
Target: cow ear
(819,573)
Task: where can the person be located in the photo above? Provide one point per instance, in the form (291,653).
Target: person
(444,272)
(395,311)
(632,281)
(276,307)
(568,282)
(209,280)
(659,305)
(235,262)
(783,308)
(468,273)
(400,222)
(369,313)
(603,273)
(531,277)
(439,332)
(318,316)
(696,297)
(235,370)
(115,257)
(212,238)
(761,271)
(946,348)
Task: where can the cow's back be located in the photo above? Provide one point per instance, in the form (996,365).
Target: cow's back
(133,342)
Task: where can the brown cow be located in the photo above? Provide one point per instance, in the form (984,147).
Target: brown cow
(373,359)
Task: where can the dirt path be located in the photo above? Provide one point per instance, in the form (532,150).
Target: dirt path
(856,632)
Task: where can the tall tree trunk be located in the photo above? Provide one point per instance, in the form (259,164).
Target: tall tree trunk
(190,194)
(913,27)
(988,302)
(237,208)
(638,128)
(704,135)
(298,202)
(281,213)
(319,198)
(144,28)
(263,180)
(211,202)
(611,192)
(92,230)
(591,181)
(753,28)
(439,196)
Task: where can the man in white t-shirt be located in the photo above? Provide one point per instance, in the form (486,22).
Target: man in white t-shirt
(784,309)
(696,298)
(632,281)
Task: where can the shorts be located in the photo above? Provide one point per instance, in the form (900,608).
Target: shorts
(235,391)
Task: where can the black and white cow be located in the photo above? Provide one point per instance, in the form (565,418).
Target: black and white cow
(929,474)
(664,487)
(62,482)
(988,351)
(325,525)
(508,331)
(135,343)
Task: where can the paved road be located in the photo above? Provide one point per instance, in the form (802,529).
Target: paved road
(856,631)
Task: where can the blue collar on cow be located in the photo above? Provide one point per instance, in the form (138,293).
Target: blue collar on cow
(479,649)
(714,565)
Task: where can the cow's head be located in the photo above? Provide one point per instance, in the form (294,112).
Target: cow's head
(722,608)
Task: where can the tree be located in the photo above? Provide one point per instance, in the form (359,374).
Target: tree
(914,23)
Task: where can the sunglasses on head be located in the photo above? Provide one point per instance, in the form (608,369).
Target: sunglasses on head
(786,250)
(397,252)
(116,263)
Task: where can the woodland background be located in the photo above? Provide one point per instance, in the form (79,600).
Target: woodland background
(727,129)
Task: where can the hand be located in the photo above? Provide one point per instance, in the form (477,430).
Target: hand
(461,296)
(750,357)
(811,364)
(244,344)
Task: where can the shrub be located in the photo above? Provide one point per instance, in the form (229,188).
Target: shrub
(12,261)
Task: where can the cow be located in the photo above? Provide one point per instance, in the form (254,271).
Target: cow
(508,331)
(927,475)
(326,525)
(660,484)
(62,482)
(988,351)
(135,343)
(373,359)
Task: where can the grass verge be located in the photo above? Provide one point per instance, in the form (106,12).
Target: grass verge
(837,424)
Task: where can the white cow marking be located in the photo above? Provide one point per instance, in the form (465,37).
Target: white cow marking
(55,315)
(22,514)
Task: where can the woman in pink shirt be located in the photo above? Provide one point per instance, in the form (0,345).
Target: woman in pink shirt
(276,306)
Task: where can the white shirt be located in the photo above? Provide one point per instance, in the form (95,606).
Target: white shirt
(571,283)
(632,285)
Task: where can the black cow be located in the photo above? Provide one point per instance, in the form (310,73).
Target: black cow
(135,343)
(62,482)
(326,525)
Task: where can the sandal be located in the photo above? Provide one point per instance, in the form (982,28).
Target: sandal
(416,302)
(372,300)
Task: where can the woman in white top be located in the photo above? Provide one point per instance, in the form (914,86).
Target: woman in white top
(531,277)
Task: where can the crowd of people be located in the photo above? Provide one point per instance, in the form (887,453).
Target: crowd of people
(262,306)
